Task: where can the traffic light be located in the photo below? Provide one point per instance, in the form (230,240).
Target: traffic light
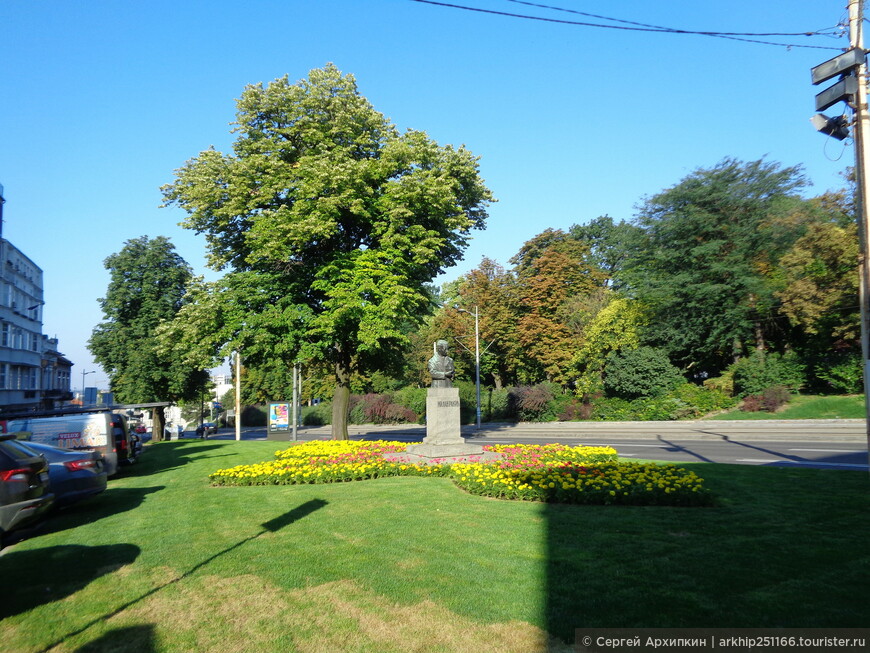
(836,127)
(844,90)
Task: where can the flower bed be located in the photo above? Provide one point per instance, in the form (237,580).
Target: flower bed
(551,472)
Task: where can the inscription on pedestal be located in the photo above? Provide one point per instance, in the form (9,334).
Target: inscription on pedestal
(442,416)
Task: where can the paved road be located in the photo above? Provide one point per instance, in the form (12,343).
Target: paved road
(829,444)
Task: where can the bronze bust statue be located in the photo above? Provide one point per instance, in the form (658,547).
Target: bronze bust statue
(441,366)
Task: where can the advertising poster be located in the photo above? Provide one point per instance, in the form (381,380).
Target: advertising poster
(279,416)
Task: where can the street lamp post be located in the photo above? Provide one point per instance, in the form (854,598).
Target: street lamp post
(476,315)
(83,383)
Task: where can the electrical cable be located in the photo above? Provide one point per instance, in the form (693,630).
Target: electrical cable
(672,29)
(638,28)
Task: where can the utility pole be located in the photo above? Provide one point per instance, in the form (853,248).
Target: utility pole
(851,88)
(238,419)
(862,142)
(295,400)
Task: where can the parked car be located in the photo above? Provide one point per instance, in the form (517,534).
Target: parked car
(24,485)
(210,428)
(140,429)
(72,475)
(103,431)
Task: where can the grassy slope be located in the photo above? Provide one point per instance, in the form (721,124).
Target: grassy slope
(807,407)
(162,562)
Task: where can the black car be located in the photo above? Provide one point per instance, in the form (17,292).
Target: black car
(24,485)
(72,475)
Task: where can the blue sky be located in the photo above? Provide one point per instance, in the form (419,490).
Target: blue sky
(103,100)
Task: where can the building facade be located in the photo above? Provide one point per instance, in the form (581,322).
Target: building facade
(33,373)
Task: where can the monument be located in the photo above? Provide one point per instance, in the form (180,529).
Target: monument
(444,441)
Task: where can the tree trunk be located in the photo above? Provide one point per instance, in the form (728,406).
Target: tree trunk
(341,398)
(759,337)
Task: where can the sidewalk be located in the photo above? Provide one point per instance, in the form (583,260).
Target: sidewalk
(847,430)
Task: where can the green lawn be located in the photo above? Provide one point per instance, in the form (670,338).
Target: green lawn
(808,407)
(163,562)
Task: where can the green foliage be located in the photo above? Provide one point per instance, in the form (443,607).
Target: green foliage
(254,416)
(414,399)
(355,218)
(319,415)
(705,266)
(642,372)
(147,285)
(496,404)
(723,383)
(687,401)
(616,326)
(755,373)
(843,372)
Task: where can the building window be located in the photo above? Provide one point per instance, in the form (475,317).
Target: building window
(34,341)
(30,378)
(4,335)
(4,369)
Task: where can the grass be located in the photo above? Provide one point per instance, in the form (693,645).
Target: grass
(807,407)
(163,562)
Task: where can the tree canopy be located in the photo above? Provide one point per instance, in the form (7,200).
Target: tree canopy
(147,286)
(353,217)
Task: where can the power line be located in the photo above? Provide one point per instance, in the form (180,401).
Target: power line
(638,27)
(673,29)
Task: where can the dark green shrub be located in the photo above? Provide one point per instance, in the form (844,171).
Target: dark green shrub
(468,401)
(319,415)
(253,416)
(687,401)
(496,404)
(704,399)
(413,399)
(357,412)
(642,372)
(755,373)
(843,373)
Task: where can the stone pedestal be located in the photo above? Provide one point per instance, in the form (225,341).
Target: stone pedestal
(443,441)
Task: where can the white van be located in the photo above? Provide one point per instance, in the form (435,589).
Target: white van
(105,432)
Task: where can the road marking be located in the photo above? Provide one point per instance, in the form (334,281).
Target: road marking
(832,450)
(801,463)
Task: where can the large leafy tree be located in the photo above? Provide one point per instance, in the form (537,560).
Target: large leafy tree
(147,286)
(705,266)
(356,217)
(553,273)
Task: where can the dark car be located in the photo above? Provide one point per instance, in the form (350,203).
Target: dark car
(24,485)
(210,428)
(127,445)
(72,475)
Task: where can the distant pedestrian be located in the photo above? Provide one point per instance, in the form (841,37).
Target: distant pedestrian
(200,431)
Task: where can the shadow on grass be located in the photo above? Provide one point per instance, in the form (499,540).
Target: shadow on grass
(110,502)
(271,526)
(173,454)
(782,548)
(133,639)
(40,576)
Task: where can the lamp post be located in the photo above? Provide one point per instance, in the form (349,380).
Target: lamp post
(83,383)
(476,315)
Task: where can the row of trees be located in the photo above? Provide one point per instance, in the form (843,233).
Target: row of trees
(330,226)
(728,263)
